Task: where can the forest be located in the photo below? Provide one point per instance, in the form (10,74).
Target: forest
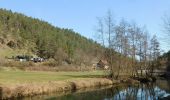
(37,37)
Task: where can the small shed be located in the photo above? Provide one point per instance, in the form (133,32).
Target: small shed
(102,64)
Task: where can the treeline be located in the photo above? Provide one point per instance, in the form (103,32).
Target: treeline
(165,61)
(130,41)
(45,40)
(165,58)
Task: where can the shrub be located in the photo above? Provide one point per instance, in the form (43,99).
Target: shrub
(60,56)
(50,63)
(12,63)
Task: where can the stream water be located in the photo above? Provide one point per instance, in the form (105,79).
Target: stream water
(160,90)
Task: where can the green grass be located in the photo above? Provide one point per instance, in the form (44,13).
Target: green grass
(13,77)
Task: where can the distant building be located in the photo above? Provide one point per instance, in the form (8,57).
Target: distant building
(102,64)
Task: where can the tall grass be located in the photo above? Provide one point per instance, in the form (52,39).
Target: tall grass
(30,89)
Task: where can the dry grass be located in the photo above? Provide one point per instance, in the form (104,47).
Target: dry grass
(43,66)
(30,89)
(57,68)
(12,63)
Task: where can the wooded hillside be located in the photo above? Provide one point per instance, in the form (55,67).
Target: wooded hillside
(34,36)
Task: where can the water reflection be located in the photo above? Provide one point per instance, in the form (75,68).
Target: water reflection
(152,91)
(141,92)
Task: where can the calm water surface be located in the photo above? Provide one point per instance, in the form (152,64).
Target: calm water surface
(153,91)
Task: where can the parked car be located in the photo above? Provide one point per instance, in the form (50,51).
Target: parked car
(37,59)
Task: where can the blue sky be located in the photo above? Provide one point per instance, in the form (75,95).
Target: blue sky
(80,15)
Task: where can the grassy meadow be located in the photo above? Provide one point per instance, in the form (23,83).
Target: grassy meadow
(19,76)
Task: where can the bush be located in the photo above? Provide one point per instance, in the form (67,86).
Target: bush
(60,56)
(12,63)
(50,63)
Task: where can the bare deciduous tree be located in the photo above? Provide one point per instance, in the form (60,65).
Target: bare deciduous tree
(100,31)
(127,46)
(109,21)
(154,53)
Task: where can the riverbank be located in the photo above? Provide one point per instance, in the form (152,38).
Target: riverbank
(30,89)
(25,83)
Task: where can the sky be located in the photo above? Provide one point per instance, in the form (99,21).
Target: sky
(80,15)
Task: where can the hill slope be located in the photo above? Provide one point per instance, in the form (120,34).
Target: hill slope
(28,35)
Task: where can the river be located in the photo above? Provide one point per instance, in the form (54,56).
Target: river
(151,91)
